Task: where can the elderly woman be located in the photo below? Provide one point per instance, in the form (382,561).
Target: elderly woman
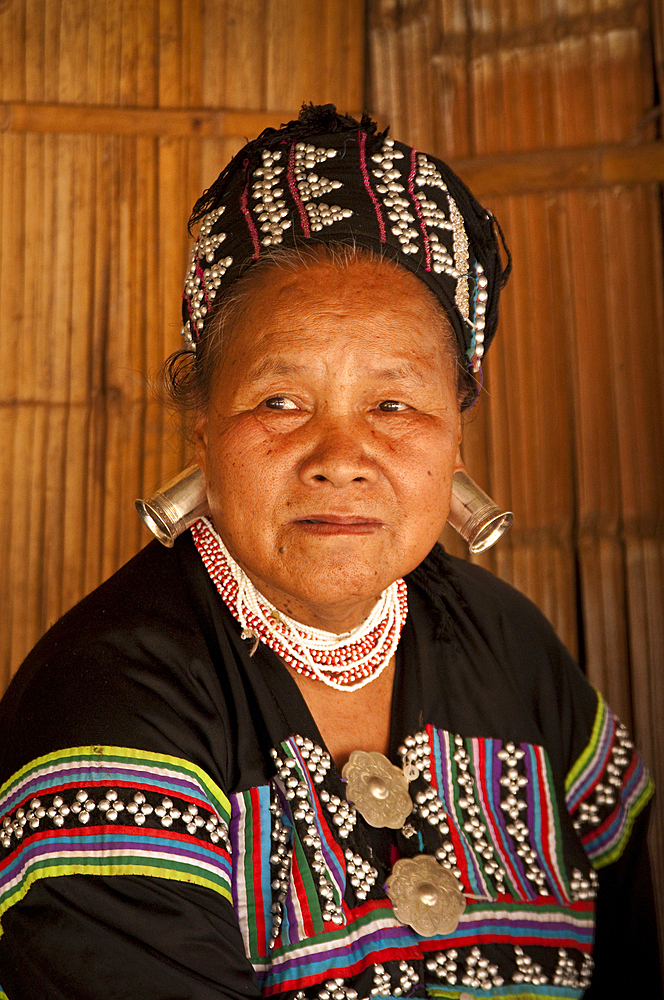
(305,753)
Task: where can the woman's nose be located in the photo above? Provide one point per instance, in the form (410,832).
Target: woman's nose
(339,455)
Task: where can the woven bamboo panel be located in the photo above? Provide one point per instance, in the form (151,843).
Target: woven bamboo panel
(570,432)
(94,202)
(116,114)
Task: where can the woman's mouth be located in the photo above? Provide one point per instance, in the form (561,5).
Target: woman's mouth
(338,524)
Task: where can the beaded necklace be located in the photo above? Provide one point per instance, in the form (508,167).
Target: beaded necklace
(345,662)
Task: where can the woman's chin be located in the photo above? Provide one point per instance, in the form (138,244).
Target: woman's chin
(334,595)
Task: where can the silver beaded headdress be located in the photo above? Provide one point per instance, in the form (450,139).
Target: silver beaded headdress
(329,178)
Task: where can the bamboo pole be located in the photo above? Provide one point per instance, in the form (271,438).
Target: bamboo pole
(10,517)
(159,122)
(25,571)
(602,165)
(148,317)
(597,473)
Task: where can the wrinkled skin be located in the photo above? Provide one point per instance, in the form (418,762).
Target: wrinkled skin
(332,435)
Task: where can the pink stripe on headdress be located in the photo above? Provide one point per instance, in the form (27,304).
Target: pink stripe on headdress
(292,184)
(367,183)
(244,205)
(416,206)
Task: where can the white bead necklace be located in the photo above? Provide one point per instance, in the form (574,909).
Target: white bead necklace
(345,662)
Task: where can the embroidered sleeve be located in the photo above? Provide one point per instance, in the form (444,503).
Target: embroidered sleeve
(112,811)
(607,788)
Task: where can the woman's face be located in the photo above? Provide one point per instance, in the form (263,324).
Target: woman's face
(330,440)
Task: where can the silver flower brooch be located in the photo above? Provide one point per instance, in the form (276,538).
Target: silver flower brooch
(377,789)
(425,895)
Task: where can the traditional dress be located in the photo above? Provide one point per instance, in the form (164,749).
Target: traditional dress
(172,825)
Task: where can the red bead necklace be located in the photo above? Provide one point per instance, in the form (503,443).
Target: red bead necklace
(345,662)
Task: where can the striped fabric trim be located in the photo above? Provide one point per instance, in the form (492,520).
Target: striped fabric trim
(509,992)
(543,820)
(121,852)
(333,856)
(444,779)
(309,950)
(80,833)
(376,936)
(541,814)
(250,832)
(587,770)
(303,914)
(373,936)
(514,923)
(112,766)
(606,789)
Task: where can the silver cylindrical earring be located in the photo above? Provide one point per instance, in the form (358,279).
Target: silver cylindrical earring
(183,499)
(475,515)
(176,505)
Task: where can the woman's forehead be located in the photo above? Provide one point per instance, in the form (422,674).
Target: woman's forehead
(322,298)
(375,290)
(370,316)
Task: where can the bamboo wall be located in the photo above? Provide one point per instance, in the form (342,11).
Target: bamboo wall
(100,162)
(115,113)
(546,110)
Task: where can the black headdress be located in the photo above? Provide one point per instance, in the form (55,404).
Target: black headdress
(329,178)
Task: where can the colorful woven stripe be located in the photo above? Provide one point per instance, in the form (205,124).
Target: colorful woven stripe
(589,767)
(115,766)
(373,935)
(607,788)
(514,991)
(308,950)
(444,779)
(250,832)
(302,912)
(543,820)
(330,847)
(80,833)
(118,852)
(541,815)
(513,923)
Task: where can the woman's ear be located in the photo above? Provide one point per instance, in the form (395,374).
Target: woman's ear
(458,462)
(200,441)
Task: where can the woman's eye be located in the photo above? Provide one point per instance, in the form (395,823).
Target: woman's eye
(391,406)
(280,403)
